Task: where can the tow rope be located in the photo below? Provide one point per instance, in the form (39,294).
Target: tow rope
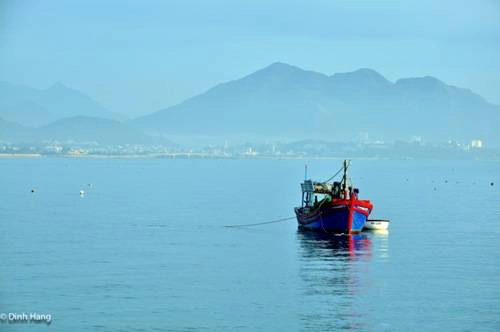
(262,223)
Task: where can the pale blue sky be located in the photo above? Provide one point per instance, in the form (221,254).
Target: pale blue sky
(136,57)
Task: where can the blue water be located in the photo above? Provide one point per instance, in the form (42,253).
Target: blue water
(145,248)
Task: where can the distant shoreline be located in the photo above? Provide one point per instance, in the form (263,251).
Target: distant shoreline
(165,156)
(219,157)
(20,155)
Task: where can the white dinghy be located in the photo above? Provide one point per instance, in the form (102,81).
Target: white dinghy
(376,224)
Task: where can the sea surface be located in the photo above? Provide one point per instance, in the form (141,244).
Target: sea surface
(145,248)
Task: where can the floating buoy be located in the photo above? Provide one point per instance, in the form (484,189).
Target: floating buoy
(82,192)
(33,190)
(491,184)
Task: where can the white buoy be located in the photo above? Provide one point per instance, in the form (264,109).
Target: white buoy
(82,192)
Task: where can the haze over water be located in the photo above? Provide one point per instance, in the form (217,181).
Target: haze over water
(145,248)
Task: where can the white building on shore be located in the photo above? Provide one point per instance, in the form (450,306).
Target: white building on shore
(476,144)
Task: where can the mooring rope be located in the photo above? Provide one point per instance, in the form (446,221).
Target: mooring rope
(262,223)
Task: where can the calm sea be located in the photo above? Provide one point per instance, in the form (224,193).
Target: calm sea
(145,248)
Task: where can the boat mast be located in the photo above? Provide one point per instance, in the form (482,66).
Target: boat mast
(344,179)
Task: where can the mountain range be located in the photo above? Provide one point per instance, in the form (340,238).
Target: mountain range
(278,102)
(38,107)
(286,102)
(60,113)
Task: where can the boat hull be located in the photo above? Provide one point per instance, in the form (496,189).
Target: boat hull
(345,219)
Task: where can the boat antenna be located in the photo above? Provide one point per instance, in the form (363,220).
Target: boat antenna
(305,172)
(344,178)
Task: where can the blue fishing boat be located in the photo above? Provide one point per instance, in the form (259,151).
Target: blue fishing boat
(332,207)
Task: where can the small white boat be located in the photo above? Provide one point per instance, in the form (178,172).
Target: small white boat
(376,224)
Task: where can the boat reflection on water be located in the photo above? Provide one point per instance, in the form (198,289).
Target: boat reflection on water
(333,272)
(317,245)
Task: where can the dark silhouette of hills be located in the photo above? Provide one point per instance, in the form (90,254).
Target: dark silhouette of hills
(283,101)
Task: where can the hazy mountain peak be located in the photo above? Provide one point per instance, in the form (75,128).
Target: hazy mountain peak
(59,88)
(421,81)
(281,66)
(284,70)
(362,75)
(58,85)
(423,85)
(367,72)
(276,69)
